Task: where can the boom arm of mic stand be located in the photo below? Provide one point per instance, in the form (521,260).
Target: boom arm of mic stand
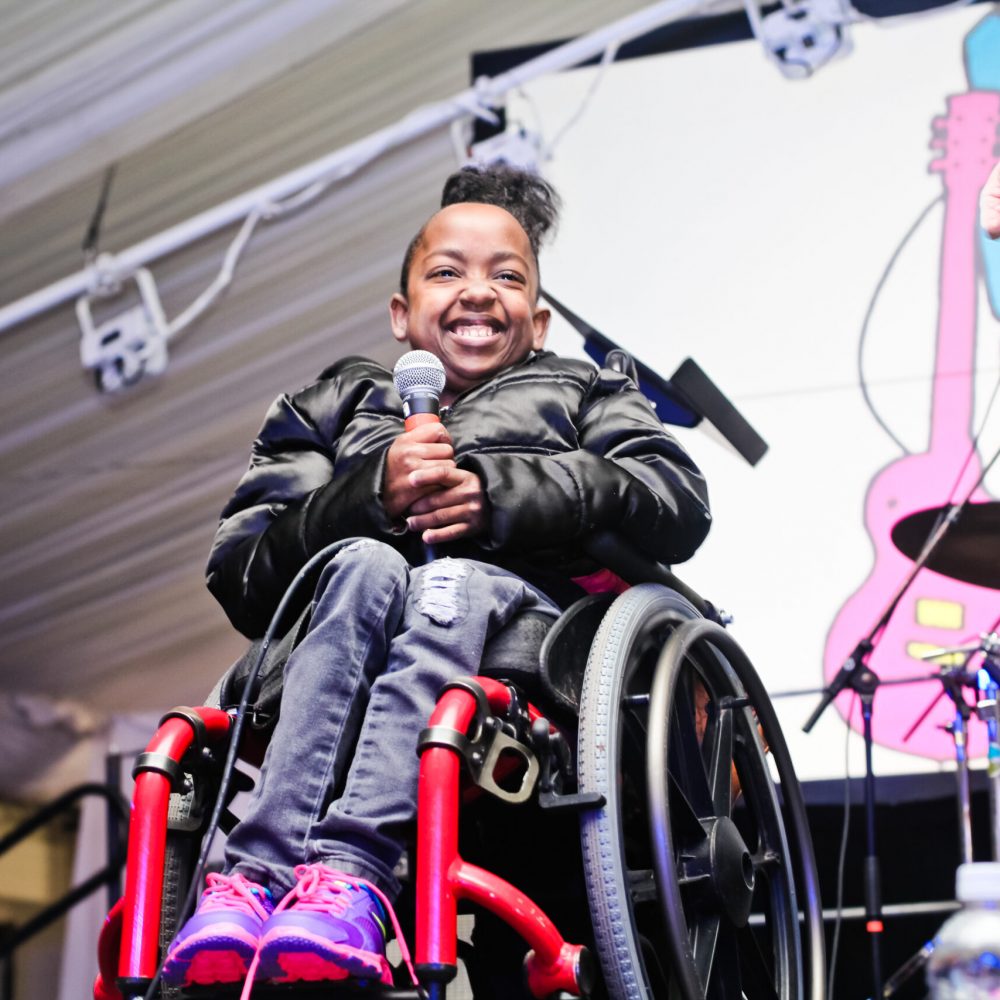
(856,661)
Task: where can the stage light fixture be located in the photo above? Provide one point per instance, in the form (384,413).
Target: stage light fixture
(132,343)
(517,147)
(802,35)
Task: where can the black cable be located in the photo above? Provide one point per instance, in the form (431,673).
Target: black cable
(323,556)
(950,502)
(975,443)
(868,315)
(93,234)
(842,856)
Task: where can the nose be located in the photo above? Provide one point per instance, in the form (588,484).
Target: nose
(477,291)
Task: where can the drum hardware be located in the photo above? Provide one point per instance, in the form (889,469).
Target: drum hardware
(984,679)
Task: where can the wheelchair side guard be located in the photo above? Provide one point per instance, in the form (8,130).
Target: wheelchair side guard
(130,934)
(552,964)
(563,655)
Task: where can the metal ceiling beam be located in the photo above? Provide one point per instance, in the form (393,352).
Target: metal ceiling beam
(478,99)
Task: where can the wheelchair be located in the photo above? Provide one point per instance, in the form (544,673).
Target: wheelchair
(635,716)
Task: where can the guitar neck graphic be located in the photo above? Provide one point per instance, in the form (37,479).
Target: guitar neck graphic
(965,137)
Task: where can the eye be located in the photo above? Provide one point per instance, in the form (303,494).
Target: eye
(444,272)
(511,276)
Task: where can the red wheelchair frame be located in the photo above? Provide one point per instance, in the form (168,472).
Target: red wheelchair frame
(128,950)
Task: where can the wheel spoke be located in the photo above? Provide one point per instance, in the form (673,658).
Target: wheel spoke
(642,885)
(683,815)
(704,935)
(725,983)
(766,861)
(757,972)
(718,741)
(687,767)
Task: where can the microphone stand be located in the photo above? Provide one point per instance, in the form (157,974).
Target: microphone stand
(856,675)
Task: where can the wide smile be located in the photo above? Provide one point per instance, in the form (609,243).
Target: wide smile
(473,332)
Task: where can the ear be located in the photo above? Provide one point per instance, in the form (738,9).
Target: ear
(541,324)
(399,311)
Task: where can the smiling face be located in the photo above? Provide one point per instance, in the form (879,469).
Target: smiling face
(471,295)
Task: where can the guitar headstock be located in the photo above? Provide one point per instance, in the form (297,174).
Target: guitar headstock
(967,137)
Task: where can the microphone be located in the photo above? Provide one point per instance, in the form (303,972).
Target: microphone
(419,378)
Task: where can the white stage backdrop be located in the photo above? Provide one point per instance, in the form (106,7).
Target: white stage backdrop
(717,210)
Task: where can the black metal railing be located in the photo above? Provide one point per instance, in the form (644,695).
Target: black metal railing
(108,875)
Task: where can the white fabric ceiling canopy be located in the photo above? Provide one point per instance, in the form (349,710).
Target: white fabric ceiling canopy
(111,503)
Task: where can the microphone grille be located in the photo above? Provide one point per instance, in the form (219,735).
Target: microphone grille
(418,372)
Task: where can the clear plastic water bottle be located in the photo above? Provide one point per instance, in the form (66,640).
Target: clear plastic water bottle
(965,963)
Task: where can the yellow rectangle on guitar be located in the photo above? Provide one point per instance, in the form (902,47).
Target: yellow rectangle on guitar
(918,650)
(940,614)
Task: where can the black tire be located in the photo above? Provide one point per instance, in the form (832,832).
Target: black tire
(669,872)
(617,867)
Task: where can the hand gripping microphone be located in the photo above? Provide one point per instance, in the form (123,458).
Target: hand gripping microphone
(419,378)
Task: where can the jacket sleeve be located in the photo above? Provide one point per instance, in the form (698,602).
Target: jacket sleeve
(627,474)
(304,489)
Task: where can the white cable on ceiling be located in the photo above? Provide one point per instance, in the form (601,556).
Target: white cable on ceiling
(479,99)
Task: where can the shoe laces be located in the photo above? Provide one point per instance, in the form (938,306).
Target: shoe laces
(323,888)
(234,892)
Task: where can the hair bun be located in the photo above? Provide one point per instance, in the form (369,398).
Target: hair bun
(529,198)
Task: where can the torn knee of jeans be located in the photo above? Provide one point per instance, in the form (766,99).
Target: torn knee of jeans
(438,598)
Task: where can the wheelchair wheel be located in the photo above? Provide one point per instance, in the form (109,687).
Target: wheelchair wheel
(671,713)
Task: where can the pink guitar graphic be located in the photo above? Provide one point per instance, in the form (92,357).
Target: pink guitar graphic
(936,611)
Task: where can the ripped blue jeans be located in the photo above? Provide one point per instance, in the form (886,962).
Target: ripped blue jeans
(383,639)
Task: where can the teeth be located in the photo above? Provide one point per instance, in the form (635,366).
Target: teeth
(475,331)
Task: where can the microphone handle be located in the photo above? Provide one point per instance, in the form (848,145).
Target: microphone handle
(420,407)
(421,410)
(416,419)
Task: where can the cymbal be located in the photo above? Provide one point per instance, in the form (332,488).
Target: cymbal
(969,551)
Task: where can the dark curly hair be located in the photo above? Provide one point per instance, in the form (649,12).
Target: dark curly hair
(531,200)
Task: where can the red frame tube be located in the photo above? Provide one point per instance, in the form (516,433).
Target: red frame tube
(108,949)
(140,934)
(443,877)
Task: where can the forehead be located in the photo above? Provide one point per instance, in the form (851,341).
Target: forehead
(472,227)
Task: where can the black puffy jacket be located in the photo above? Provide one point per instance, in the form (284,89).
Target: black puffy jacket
(562,450)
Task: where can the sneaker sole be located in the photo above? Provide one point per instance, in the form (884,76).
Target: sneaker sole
(203,960)
(303,957)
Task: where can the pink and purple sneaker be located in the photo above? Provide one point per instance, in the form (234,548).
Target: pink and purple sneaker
(218,943)
(334,928)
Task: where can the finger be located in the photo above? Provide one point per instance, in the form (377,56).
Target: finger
(443,497)
(451,533)
(428,433)
(439,474)
(439,518)
(431,453)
